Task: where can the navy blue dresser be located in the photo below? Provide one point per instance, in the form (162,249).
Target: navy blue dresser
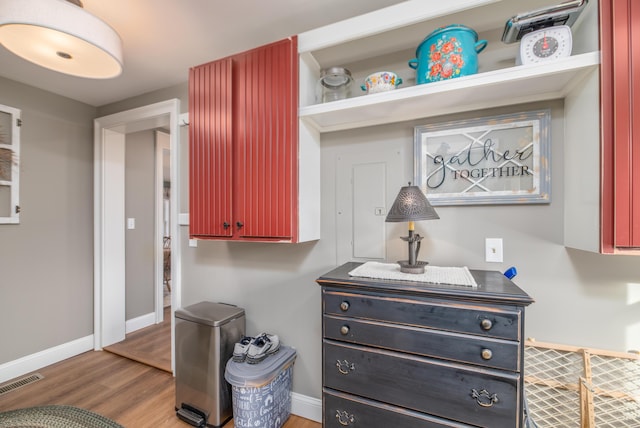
(414,354)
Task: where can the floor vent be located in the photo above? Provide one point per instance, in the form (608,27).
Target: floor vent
(12,386)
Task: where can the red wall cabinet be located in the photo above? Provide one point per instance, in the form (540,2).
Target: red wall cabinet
(620,103)
(243,134)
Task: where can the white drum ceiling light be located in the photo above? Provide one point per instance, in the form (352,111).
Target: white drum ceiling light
(62,36)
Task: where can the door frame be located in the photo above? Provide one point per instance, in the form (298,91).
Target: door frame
(159,148)
(109,321)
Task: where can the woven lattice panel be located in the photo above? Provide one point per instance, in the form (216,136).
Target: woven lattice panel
(551,385)
(581,388)
(615,383)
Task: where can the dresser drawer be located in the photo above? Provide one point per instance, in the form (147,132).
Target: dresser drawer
(479,397)
(481,351)
(343,410)
(450,316)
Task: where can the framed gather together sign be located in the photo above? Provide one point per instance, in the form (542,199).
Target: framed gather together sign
(492,160)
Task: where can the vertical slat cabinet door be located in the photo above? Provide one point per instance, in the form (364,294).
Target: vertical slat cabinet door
(620,32)
(622,120)
(210,150)
(266,136)
(607,182)
(634,194)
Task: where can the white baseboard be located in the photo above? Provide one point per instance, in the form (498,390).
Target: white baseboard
(306,407)
(33,362)
(140,322)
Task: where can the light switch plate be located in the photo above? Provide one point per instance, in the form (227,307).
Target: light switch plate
(493,250)
(131,223)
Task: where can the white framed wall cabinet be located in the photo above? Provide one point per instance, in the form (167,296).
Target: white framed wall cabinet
(10,123)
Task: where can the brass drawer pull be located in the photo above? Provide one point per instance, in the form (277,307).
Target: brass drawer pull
(344,306)
(486,354)
(486,324)
(345,367)
(484,398)
(344,418)
(344,330)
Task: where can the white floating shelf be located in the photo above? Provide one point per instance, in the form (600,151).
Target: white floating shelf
(515,85)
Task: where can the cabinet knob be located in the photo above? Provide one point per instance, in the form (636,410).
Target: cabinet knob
(344,330)
(226,225)
(239,224)
(344,306)
(486,324)
(344,418)
(486,354)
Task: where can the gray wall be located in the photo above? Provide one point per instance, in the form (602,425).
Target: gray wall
(179,91)
(582,299)
(46,261)
(140,205)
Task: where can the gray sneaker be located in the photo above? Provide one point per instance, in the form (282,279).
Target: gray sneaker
(240,349)
(261,347)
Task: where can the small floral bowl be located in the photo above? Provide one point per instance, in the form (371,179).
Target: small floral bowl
(381,81)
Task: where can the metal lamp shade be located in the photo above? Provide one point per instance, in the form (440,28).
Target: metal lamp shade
(411,205)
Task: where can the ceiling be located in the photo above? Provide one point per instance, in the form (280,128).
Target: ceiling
(163,38)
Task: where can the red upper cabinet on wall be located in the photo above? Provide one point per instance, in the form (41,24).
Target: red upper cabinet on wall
(210,149)
(243,132)
(620,101)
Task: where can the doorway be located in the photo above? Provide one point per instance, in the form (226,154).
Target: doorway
(109,221)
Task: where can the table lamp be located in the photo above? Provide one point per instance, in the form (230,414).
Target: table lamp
(411,205)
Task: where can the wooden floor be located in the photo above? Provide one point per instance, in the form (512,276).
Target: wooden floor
(134,394)
(150,345)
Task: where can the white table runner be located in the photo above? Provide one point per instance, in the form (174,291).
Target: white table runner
(432,274)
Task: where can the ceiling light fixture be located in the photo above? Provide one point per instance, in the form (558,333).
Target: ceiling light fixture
(62,36)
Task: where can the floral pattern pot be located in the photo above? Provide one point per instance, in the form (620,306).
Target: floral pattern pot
(381,82)
(447,53)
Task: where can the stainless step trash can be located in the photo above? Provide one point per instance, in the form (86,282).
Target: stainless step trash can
(205,334)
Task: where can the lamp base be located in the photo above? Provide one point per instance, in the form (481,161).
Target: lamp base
(407,268)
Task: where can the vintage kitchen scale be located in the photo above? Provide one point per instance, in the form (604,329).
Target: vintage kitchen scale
(544,34)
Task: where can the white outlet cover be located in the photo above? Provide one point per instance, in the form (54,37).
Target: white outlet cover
(493,250)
